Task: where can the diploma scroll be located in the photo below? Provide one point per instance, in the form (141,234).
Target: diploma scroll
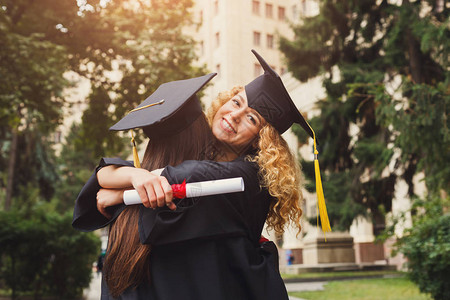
(196,189)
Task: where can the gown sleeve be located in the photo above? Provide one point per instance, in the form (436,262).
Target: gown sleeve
(207,217)
(86,217)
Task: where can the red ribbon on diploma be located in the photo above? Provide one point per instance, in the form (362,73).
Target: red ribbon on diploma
(179,190)
(262,239)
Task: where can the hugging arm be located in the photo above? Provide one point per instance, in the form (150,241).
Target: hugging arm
(206,217)
(90,214)
(154,190)
(219,217)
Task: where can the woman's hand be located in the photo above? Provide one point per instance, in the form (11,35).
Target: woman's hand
(107,198)
(154,191)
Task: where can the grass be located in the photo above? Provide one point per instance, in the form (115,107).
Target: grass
(340,274)
(366,289)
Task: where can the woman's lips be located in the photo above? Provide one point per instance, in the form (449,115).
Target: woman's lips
(227,126)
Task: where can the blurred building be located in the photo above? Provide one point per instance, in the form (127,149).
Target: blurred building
(229,29)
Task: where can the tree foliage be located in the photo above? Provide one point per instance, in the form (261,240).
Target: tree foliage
(124,48)
(385,71)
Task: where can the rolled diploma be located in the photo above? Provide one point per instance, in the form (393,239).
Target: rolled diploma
(197,189)
(214,187)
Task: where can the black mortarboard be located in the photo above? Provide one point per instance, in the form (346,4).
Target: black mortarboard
(169,110)
(268,96)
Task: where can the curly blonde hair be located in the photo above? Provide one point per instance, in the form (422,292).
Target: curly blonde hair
(279,171)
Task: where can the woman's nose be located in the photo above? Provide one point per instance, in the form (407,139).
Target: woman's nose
(235,116)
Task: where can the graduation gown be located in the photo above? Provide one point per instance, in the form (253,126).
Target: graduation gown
(208,248)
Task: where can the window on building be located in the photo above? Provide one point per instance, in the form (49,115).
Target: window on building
(255,7)
(269,39)
(217,39)
(281,13)
(257,70)
(269,11)
(256,38)
(216,7)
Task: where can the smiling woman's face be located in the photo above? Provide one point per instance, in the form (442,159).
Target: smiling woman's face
(237,125)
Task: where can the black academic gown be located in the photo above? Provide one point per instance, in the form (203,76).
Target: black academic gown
(208,248)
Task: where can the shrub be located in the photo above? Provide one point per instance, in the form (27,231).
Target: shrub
(427,247)
(41,253)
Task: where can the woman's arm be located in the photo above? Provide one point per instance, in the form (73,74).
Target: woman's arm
(110,197)
(154,190)
(211,216)
(87,215)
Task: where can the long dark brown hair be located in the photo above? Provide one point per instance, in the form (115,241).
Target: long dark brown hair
(127,260)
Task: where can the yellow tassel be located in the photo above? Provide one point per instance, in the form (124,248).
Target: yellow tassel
(322,208)
(320,198)
(137,164)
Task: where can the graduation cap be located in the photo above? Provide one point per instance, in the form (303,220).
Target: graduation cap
(169,110)
(268,96)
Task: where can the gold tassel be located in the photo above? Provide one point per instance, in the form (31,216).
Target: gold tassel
(137,164)
(320,198)
(322,208)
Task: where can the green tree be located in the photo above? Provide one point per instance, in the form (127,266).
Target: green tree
(41,40)
(385,71)
(150,48)
(30,95)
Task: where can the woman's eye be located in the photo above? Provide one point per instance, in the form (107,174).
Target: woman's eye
(235,102)
(252,119)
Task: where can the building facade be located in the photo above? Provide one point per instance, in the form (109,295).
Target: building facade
(229,29)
